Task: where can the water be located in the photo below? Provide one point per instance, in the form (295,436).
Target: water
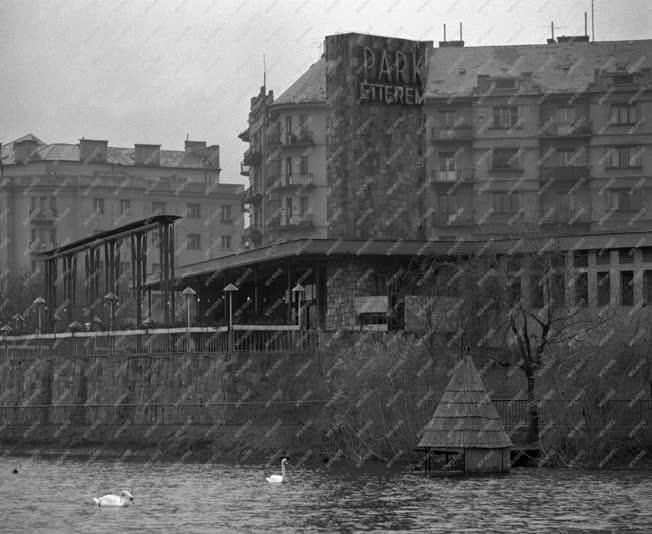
(50,496)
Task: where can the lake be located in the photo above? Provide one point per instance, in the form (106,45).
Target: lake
(55,496)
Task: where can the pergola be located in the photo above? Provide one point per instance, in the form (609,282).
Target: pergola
(101,255)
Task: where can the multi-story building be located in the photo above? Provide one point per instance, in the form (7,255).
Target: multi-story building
(53,194)
(387,140)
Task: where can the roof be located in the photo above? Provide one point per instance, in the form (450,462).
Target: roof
(119,231)
(115,155)
(310,88)
(559,68)
(465,417)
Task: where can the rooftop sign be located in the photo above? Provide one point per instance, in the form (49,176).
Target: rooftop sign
(391,77)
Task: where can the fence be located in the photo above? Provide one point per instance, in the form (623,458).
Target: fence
(557,414)
(242,338)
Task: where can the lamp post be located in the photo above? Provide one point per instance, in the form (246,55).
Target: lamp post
(111,298)
(189,293)
(230,289)
(6,330)
(148,323)
(74,327)
(299,290)
(39,302)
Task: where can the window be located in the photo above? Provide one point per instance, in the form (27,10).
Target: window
(125,267)
(447,161)
(505,83)
(274,169)
(505,203)
(604,288)
(506,158)
(627,288)
(98,205)
(288,208)
(226,214)
(536,291)
(446,208)
(565,115)
(647,286)
(53,236)
(303,165)
(34,236)
(566,158)
(447,118)
(156,267)
(35,267)
(626,255)
(193,242)
(194,211)
(505,116)
(626,200)
(226,242)
(581,289)
(514,290)
(623,113)
(303,206)
(624,157)
(158,208)
(288,127)
(303,121)
(581,258)
(288,166)
(603,257)
(125,207)
(623,79)
(53,206)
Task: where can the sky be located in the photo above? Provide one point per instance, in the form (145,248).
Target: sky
(154,71)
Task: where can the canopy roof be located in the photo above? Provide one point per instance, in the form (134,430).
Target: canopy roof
(465,418)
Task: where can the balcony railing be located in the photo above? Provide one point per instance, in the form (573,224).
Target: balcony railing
(251,195)
(292,222)
(39,215)
(574,172)
(454,175)
(38,246)
(252,156)
(566,129)
(565,216)
(452,133)
(449,219)
(296,179)
(244,169)
(304,137)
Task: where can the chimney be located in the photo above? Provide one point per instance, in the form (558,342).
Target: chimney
(212,157)
(147,155)
(450,44)
(573,39)
(195,146)
(92,150)
(23,150)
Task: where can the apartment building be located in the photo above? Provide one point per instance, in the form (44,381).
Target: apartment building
(53,194)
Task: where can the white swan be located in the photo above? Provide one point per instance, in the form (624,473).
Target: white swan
(278,479)
(124,499)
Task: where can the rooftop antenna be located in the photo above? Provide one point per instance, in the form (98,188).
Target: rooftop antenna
(444,32)
(187,136)
(264,73)
(461,32)
(586,31)
(592,22)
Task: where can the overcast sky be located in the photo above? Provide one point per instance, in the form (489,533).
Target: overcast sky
(152,71)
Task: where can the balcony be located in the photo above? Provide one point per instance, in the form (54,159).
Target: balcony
(565,216)
(252,195)
(580,128)
(453,133)
(298,179)
(45,216)
(244,169)
(252,156)
(294,222)
(303,138)
(451,219)
(574,172)
(451,176)
(253,235)
(40,246)
(273,140)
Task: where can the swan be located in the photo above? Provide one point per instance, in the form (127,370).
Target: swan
(278,479)
(124,499)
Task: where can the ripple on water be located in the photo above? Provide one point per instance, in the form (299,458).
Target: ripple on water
(47,496)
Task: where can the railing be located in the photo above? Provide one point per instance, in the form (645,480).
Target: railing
(566,129)
(267,338)
(454,175)
(452,133)
(554,415)
(566,216)
(571,172)
(252,156)
(296,179)
(295,221)
(251,195)
(460,217)
(244,169)
(304,137)
(42,215)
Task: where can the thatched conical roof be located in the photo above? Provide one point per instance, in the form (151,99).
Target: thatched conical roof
(465,417)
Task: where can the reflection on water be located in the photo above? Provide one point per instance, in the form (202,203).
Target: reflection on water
(50,496)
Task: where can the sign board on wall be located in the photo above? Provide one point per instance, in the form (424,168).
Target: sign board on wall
(391,77)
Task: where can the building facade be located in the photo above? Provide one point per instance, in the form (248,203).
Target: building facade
(54,194)
(405,141)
